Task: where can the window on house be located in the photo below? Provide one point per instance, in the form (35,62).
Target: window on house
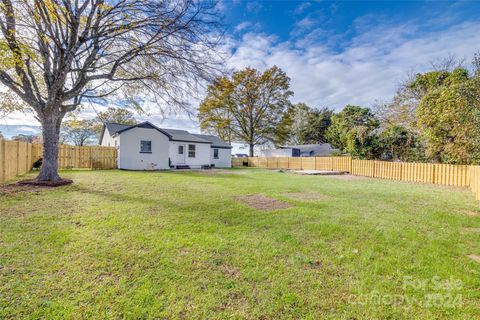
(180,150)
(145,146)
(191,151)
(215,153)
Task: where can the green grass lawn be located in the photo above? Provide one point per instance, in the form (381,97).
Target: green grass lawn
(119,244)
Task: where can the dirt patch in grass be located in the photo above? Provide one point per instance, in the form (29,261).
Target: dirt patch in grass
(474,257)
(315,265)
(215,172)
(229,271)
(306,196)
(263,203)
(470,213)
(471,230)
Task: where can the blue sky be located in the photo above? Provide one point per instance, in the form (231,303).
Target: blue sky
(342,20)
(335,52)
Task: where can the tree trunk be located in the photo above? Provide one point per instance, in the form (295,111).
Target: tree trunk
(51,136)
(251,150)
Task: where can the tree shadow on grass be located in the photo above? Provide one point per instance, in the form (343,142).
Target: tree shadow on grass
(113,196)
(211,174)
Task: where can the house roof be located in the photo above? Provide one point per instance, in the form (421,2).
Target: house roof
(313,149)
(182,135)
(173,134)
(216,141)
(145,124)
(113,128)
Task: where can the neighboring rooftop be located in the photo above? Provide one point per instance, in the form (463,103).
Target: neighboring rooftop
(321,149)
(303,150)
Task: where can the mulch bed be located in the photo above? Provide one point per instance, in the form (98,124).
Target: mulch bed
(32,185)
(306,196)
(50,184)
(263,203)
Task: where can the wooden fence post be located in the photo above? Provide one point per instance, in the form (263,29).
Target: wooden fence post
(91,160)
(3,161)
(17,165)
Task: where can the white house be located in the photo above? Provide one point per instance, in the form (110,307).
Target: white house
(147,147)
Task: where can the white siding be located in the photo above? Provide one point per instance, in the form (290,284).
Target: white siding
(107,139)
(129,152)
(224,158)
(202,154)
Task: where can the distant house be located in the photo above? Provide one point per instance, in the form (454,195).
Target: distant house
(241,155)
(303,150)
(147,147)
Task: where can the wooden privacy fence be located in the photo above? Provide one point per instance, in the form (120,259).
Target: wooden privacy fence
(443,174)
(475,180)
(312,163)
(94,157)
(18,157)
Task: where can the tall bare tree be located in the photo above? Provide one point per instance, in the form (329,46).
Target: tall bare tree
(54,54)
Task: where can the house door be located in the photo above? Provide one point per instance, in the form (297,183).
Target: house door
(181,154)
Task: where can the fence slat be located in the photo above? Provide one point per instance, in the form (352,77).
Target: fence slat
(17,157)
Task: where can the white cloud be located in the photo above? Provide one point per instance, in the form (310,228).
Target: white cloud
(247,25)
(302,7)
(242,26)
(306,23)
(19,118)
(27,129)
(366,69)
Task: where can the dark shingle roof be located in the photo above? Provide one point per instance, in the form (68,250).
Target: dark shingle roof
(115,127)
(216,141)
(182,135)
(175,134)
(145,125)
(112,129)
(321,149)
